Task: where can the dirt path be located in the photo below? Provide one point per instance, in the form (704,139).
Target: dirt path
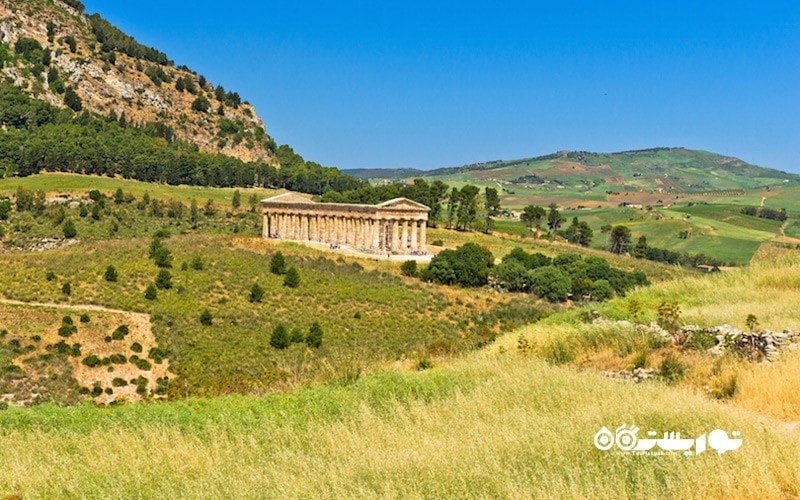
(77,307)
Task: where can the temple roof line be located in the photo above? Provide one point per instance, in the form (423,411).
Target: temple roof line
(289,199)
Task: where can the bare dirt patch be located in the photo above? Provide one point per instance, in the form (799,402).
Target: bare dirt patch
(26,320)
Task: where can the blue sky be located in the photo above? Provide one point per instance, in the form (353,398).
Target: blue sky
(364,84)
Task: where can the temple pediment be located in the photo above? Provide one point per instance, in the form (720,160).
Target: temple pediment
(403,203)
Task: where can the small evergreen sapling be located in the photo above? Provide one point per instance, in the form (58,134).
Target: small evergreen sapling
(280,337)
(292,278)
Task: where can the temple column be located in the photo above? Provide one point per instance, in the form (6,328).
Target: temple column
(395,234)
(376,234)
(348,231)
(281,226)
(404,239)
(365,239)
(339,223)
(265,227)
(423,230)
(326,224)
(414,230)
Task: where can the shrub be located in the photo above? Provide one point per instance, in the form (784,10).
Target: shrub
(669,316)
(66,289)
(727,389)
(67,330)
(468,265)
(151,293)
(751,322)
(197,263)
(119,382)
(256,293)
(672,369)
(85,318)
(120,332)
(277,264)
(162,257)
(111,274)
(640,359)
(437,243)
(602,290)
(91,361)
(206,318)
(201,104)
(424,363)
(314,337)
(559,352)
(550,282)
(69,229)
(50,276)
(118,359)
(136,347)
(512,275)
(143,364)
(164,280)
(409,268)
(297,336)
(280,337)
(158,354)
(700,340)
(292,278)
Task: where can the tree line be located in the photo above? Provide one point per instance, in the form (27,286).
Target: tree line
(36,136)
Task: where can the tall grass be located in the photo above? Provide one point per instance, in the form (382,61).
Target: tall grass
(496,427)
(769,289)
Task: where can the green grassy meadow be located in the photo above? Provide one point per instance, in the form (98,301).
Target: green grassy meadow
(407,397)
(66,183)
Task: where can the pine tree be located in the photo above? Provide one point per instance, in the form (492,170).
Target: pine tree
(69,229)
(277,264)
(164,280)
(314,337)
(111,274)
(292,278)
(206,318)
(280,337)
(72,100)
(151,293)
(237,200)
(256,293)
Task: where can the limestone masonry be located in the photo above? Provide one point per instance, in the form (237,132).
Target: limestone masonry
(396,226)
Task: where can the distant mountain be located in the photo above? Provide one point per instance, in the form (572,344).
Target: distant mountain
(384,173)
(56,53)
(662,169)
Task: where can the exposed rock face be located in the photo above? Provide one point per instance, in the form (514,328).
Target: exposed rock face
(122,86)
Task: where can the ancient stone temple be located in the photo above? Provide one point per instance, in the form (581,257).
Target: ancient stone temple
(397,226)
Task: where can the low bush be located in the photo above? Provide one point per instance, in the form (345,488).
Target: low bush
(92,361)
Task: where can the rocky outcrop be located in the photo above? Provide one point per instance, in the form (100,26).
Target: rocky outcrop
(121,85)
(758,345)
(636,375)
